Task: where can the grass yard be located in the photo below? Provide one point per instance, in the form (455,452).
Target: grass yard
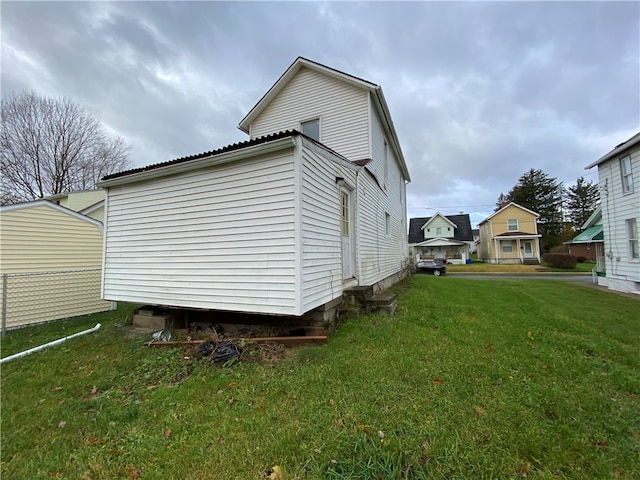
(470,379)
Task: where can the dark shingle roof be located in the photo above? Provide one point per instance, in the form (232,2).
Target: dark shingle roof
(461,233)
(228,148)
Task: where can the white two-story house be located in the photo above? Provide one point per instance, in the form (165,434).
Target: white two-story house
(312,204)
(619,183)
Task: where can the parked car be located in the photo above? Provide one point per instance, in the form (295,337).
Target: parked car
(429,266)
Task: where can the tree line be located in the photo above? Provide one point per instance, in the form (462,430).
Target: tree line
(562,210)
(53,145)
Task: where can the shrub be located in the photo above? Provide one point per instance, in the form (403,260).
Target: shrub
(560,260)
(581,259)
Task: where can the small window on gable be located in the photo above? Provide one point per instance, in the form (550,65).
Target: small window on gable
(512,225)
(439,231)
(311,129)
(387,224)
(627,175)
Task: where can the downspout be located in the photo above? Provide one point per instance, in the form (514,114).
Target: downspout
(50,344)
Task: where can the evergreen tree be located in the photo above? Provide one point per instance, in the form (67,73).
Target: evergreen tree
(582,199)
(542,194)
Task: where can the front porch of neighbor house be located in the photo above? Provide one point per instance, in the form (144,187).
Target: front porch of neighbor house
(516,249)
(445,250)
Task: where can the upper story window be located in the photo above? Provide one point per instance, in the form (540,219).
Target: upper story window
(438,230)
(387,224)
(311,129)
(386,164)
(512,225)
(627,175)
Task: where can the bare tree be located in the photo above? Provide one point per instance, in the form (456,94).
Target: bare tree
(53,145)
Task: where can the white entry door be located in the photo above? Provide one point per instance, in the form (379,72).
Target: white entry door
(346,231)
(528,249)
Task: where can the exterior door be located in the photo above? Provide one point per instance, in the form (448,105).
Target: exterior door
(528,249)
(346,235)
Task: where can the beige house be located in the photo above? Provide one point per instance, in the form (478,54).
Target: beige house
(510,235)
(86,202)
(50,263)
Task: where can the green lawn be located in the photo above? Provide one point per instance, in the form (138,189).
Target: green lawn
(470,379)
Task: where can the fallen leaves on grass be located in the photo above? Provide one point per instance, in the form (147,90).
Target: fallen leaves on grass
(437,381)
(479,410)
(166,433)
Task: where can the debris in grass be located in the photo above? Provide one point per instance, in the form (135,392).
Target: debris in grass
(162,335)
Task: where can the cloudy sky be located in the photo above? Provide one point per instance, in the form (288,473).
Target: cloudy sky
(480,92)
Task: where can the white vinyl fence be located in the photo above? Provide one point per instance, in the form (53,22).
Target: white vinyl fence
(31,298)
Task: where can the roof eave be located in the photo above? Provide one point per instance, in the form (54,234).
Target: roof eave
(616,151)
(214,159)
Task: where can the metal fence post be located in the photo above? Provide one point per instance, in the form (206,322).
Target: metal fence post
(4,303)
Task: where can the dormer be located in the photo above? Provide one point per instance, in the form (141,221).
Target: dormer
(345,113)
(439,226)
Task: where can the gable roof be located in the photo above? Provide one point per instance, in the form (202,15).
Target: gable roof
(438,214)
(512,204)
(372,88)
(595,218)
(461,233)
(619,149)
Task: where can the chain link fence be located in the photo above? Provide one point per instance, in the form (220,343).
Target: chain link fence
(31,298)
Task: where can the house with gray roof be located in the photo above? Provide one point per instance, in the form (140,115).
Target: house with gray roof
(441,237)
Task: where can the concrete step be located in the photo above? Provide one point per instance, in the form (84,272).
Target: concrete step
(383,303)
(158,322)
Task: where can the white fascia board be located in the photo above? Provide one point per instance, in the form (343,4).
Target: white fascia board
(537,215)
(381,103)
(284,79)
(215,159)
(620,149)
(438,214)
(54,206)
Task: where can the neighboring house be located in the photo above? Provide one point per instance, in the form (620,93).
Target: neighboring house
(476,239)
(314,203)
(50,260)
(619,183)
(442,237)
(589,243)
(87,202)
(510,235)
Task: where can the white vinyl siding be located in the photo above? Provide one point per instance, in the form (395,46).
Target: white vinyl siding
(618,207)
(341,108)
(321,228)
(220,238)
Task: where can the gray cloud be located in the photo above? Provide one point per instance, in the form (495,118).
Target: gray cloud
(479,92)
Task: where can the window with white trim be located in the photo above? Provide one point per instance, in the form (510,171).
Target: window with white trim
(387,224)
(632,235)
(311,128)
(512,225)
(507,246)
(439,231)
(627,175)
